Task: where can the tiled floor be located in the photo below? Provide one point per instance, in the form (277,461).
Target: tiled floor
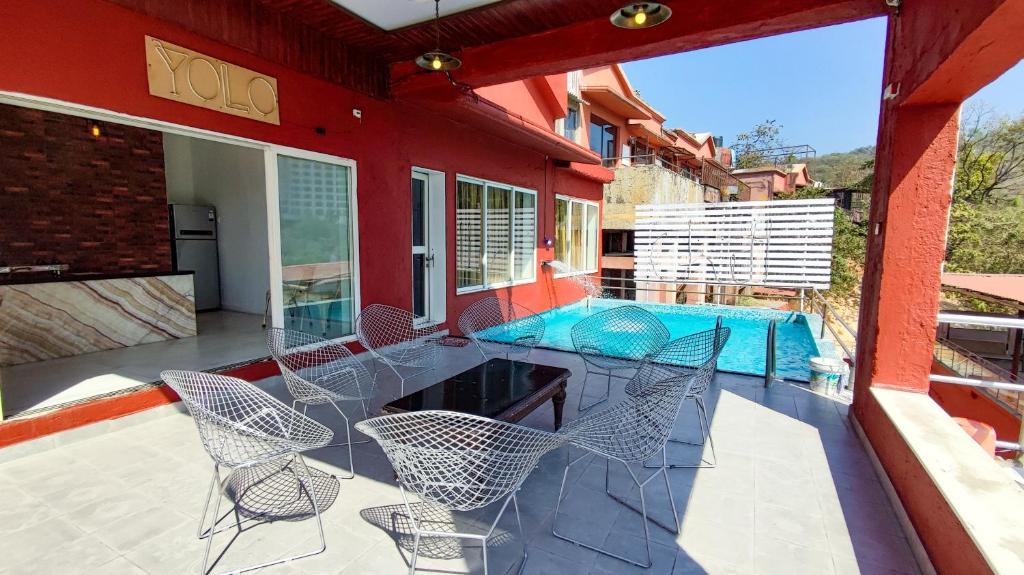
(225,338)
(793,493)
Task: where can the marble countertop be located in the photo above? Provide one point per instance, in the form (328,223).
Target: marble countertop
(22,278)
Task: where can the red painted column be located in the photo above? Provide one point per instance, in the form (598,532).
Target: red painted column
(906,245)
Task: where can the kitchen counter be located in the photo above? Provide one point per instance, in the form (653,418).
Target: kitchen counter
(49,317)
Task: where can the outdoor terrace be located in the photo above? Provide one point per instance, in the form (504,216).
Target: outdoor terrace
(794,492)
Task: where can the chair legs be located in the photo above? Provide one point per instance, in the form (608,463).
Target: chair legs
(216,493)
(641,486)
(348,435)
(398,374)
(608,387)
(420,532)
(705,439)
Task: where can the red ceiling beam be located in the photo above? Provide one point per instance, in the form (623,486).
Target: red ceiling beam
(596,42)
(947,63)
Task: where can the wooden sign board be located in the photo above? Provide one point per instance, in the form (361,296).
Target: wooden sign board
(180,74)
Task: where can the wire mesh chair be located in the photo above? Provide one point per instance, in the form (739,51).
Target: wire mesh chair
(501,326)
(243,427)
(695,354)
(390,335)
(459,462)
(318,371)
(615,340)
(633,431)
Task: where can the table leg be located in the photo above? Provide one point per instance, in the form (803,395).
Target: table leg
(558,400)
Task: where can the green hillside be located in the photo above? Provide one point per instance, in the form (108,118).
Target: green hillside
(841,169)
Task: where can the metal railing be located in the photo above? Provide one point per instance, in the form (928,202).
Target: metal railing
(650,160)
(969,364)
(846,337)
(984,384)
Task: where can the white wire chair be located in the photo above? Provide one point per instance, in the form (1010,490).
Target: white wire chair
(615,340)
(633,431)
(242,428)
(390,334)
(459,462)
(499,326)
(691,354)
(319,371)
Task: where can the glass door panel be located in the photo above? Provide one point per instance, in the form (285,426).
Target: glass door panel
(317,262)
(420,250)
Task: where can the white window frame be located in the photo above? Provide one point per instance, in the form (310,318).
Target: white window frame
(586,237)
(512,240)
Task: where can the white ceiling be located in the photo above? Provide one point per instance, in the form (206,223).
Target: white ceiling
(393,14)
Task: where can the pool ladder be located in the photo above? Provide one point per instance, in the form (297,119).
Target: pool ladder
(769,359)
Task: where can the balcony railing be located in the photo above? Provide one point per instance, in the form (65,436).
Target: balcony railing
(650,160)
(969,364)
(990,387)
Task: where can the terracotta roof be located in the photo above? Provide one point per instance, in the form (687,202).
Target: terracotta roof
(1003,286)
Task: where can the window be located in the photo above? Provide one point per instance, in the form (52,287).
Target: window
(576,234)
(572,120)
(602,137)
(495,234)
(617,242)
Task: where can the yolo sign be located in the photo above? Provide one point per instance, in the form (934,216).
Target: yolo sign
(186,76)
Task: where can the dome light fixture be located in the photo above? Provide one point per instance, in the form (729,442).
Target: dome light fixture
(640,15)
(437,60)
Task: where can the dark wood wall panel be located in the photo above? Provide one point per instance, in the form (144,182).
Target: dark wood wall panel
(276,36)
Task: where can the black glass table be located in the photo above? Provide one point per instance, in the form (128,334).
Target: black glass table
(499,388)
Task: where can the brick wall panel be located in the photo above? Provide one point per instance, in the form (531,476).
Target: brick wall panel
(96,204)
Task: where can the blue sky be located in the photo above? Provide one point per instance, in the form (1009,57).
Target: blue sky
(821,85)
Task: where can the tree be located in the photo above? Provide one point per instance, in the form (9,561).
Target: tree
(849,242)
(750,146)
(986,219)
(990,156)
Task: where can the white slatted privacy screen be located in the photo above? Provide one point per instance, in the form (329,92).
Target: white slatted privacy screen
(783,243)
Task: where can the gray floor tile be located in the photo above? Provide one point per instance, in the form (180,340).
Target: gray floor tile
(793,491)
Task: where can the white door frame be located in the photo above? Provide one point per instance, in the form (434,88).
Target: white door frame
(426,250)
(437,242)
(270,172)
(274,227)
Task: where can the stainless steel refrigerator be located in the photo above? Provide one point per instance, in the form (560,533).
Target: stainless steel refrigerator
(194,233)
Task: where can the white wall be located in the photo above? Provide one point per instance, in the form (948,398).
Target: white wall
(230,178)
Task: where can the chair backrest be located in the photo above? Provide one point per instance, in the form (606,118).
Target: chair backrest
(304,358)
(239,423)
(501,320)
(458,460)
(695,354)
(627,332)
(636,428)
(639,426)
(379,326)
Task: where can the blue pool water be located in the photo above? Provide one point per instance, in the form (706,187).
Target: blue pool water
(744,353)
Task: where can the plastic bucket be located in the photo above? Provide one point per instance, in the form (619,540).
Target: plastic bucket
(827,373)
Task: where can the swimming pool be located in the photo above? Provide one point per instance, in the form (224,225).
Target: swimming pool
(744,353)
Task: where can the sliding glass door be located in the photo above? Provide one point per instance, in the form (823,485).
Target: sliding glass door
(316,211)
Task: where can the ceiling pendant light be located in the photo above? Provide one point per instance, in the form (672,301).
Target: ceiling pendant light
(640,15)
(436,60)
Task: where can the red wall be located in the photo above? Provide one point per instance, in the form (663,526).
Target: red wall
(967,402)
(95,204)
(72,62)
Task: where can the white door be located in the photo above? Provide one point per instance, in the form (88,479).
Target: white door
(422,254)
